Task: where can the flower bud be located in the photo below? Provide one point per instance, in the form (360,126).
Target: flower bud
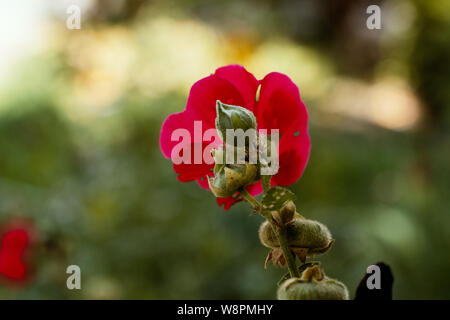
(305,238)
(312,285)
(229,179)
(300,232)
(224,155)
(233,117)
(287,212)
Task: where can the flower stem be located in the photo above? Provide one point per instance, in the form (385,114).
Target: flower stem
(290,258)
(279,231)
(250,199)
(266,183)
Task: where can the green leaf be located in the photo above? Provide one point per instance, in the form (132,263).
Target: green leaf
(275,198)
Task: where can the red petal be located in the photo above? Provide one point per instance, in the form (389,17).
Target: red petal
(173,122)
(280,105)
(201,106)
(255,189)
(204,93)
(295,147)
(242,80)
(227,202)
(11,249)
(191,171)
(203,181)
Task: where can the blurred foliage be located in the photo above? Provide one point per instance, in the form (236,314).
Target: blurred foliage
(79,130)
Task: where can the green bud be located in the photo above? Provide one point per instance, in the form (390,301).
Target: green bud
(230,178)
(233,117)
(287,212)
(221,156)
(305,237)
(312,285)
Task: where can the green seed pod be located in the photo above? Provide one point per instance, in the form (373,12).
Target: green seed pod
(300,233)
(312,285)
(230,179)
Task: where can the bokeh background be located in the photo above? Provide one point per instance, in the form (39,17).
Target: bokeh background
(81,110)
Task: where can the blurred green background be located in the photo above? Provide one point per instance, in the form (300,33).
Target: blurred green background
(81,110)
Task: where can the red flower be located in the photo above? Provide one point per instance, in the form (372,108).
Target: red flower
(279,107)
(15,238)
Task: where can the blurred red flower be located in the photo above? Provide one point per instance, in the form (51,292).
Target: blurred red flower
(15,237)
(279,107)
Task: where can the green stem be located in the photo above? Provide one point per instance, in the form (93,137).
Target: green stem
(249,198)
(279,232)
(266,183)
(290,258)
